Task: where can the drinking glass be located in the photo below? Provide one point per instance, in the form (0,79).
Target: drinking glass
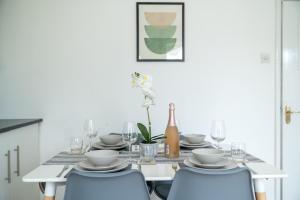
(89,129)
(226,148)
(76,144)
(218,131)
(129,134)
(238,151)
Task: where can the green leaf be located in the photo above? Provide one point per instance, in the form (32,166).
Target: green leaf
(157,137)
(144,132)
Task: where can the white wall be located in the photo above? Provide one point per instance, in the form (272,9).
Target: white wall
(68,60)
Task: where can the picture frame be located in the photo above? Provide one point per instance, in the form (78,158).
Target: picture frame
(160,32)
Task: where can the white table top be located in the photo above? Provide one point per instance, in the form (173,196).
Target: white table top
(158,172)
(47,173)
(265,170)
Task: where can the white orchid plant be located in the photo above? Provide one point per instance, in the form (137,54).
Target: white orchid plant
(144,82)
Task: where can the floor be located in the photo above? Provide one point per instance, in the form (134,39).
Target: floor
(154,197)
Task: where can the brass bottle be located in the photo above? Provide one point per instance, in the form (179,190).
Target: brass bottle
(172,137)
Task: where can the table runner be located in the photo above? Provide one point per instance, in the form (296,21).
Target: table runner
(65,158)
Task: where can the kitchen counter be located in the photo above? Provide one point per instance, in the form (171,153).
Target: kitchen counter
(11,124)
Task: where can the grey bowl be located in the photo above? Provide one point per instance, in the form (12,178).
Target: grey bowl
(194,138)
(208,156)
(102,157)
(111,139)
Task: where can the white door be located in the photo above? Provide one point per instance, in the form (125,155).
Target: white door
(291,98)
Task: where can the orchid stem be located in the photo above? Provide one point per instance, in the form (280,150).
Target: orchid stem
(149,123)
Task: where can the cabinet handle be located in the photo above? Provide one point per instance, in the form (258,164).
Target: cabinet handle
(8,179)
(18,160)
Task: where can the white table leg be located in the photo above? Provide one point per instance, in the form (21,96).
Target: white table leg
(50,191)
(260,189)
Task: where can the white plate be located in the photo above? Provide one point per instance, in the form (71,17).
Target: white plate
(230,165)
(121,167)
(206,144)
(89,166)
(194,144)
(217,165)
(122,143)
(72,153)
(99,146)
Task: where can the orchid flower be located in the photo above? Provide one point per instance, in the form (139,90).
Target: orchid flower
(144,82)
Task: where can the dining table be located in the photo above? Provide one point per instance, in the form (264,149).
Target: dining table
(54,171)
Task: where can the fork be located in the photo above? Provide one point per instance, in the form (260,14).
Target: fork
(62,171)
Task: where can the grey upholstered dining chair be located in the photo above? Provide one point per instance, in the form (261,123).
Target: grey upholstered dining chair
(201,184)
(125,185)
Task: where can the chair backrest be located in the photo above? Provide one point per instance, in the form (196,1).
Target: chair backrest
(125,185)
(201,184)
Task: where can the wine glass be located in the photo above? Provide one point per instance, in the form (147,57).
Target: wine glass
(129,134)
(89,129)
(218,131)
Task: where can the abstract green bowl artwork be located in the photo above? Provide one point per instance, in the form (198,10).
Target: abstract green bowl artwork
(160,45)
(160,31)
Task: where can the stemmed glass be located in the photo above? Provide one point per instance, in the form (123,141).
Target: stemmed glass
(129,135)
(218,131)
(89,129)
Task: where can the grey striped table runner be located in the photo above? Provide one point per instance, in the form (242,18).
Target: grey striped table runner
(65,158)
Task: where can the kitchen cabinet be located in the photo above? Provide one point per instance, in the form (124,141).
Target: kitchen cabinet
(19,154)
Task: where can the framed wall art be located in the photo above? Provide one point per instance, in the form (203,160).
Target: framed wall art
(160,31)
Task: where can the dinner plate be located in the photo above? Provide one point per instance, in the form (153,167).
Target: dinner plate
(120,167)
(122,143)
(99,146)
(204,145)
(194,144)
(229,165)
(89,166)
(73,153)
(216,165)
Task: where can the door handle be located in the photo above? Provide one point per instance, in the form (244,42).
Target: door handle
(288,114)
(18,160)
(8,178)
